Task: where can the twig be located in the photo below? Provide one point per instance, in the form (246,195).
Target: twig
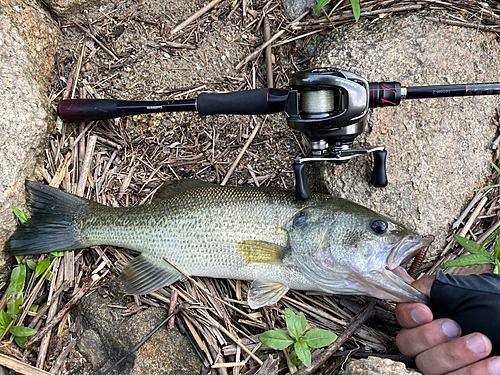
(44,345)
(473,217)
(171,308)
(57,318)
(78,68)
(96,40)
(276,36)
(82,182)
(177,45)
(60,359)
(268,54)
(356,323)
(198,14)
(250,139)
(20,367)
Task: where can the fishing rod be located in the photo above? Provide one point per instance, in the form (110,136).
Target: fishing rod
(328,105)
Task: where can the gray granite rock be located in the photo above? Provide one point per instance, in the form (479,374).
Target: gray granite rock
(437,148)
(64,8)
(107,336)
(295,8)
(376,366)
(29,39)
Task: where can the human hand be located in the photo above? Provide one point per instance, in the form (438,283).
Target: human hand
(437,345)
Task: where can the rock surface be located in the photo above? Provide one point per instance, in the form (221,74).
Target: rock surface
(107,336)
(437,148)
(295,8)
(64,8)
(376,366)
(29,39)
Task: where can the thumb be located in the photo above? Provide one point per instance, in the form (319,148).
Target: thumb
(424,284)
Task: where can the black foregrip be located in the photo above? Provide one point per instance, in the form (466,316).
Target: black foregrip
(77,110)
(249,102)
(379,175)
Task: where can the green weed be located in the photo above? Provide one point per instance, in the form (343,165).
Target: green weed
(356,10)
(296,325)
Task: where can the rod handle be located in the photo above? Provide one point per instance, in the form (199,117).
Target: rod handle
(247,102)
(78,110)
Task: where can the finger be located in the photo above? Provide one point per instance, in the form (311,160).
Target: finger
(424,284)
(414,341)
(490,366)
(454,355)
(411,315)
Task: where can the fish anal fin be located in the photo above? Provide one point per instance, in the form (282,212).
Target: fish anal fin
(264,293)
(141,276)
(171,188)
(256,251)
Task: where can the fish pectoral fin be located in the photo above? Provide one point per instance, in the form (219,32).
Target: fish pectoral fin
(171,188)
(264,293)
(256,251)
(141,276)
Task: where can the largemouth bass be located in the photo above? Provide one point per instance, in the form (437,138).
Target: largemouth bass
(323,244)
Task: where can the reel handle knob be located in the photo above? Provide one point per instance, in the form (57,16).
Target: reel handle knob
(302,189)
(379,175)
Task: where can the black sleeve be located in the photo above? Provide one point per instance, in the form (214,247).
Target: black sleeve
(472,301)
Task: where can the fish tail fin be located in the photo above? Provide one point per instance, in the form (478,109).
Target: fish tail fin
(52,226)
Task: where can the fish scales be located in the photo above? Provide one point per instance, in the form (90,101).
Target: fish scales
(323,244)
(199,230)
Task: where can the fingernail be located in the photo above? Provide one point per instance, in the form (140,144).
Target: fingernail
(477,343)
(494,365)
(451,329)
(419,315)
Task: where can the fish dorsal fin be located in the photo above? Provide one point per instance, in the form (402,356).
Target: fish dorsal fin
(256,251)
(171,188)
(264,293)
(141,276)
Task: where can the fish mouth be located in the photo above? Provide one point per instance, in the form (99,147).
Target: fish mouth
(405,250)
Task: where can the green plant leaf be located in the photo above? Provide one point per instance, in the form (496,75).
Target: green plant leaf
(276,339)
(31,265)
(42,266)
(497,267)
(57,253)
(303,352)
(20,215)
(294,359)
(21,341)
(469,245)
(295,324)
(317,338)
(14,291)
(356,11)
(496,251)
(22,331)
(320,5)
(497,168)
(5,319)
(470,259)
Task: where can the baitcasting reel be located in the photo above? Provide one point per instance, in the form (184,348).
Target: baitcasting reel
(328,105)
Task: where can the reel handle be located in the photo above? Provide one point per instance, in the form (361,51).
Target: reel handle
(302,189)
(379,175)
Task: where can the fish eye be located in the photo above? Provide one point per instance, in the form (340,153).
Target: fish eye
(378,226)
(300,220)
